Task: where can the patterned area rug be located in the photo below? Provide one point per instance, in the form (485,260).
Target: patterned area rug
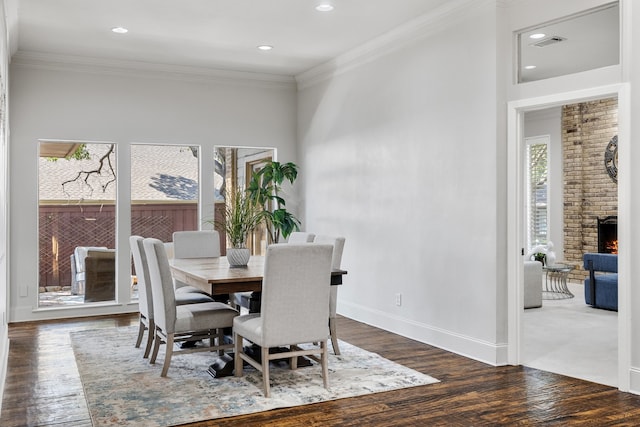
(123,389)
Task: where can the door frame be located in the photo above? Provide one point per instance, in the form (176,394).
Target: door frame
(516,225)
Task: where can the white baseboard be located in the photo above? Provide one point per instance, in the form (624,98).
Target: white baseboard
(634,376)
(483,351)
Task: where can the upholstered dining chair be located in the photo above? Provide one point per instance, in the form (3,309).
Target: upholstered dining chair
(145,300)
(243,299)
(194,244)
(336,261)
(179,323)
(295,308)
(300,237)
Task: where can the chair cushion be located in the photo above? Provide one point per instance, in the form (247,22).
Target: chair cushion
(191,298)
(181,288)
(198,317)
(249,326)
(606,291)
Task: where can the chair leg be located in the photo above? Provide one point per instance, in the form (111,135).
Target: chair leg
(167,356)
(152,328)
(141,328)
(156,347)
(334,336)
(324,360)
(237,339)
(265,370)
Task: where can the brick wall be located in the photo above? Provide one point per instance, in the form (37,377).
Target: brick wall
(589,192)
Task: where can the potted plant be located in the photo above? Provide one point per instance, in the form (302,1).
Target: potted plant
(265,190)
(241,216)
(540,257)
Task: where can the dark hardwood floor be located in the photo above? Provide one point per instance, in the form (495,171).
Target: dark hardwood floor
(43,388)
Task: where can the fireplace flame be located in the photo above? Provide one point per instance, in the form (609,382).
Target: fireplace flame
(612,247)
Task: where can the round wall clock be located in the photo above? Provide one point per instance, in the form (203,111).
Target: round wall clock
(611,158)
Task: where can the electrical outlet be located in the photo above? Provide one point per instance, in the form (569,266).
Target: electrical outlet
(398,300)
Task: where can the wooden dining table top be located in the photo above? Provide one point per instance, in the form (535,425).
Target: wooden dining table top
(216,276)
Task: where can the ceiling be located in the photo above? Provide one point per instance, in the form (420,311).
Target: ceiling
(224,34)
(217,34)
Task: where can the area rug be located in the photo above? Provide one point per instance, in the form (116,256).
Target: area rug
(123,389)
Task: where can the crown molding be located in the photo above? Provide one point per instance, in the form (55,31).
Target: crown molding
(84,64)
(393,40)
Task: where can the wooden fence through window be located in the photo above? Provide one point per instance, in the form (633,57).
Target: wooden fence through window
(63,227)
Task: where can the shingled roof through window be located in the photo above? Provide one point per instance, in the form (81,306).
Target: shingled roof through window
(158,173)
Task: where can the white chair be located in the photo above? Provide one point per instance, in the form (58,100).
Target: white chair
(243,299)
(300,237)
(190,322)
(194,244)
(295,308)
(336,260)
(532,284)
(145,299)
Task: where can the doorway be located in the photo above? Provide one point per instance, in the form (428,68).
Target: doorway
(517,214)
(567,190)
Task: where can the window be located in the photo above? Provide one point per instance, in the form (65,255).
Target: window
(537,190)
(164,191)
(77,201)
(233,168)
(581,42)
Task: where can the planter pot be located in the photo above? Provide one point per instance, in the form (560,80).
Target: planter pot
(238,257)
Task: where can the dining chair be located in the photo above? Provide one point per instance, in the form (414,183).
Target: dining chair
(194,244)
(145,300)
(336,261)
(300,237)
(295,308)
(243,299)
(179,323)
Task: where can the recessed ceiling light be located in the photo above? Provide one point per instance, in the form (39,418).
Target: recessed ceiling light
(537,36)
(119,30)
(324,7)
(529,67)
(265,47)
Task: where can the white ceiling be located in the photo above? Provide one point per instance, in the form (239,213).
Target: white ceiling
(218,34)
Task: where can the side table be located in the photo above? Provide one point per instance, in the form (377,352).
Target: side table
(555,283)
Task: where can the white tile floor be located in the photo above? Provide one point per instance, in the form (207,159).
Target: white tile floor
(568,337)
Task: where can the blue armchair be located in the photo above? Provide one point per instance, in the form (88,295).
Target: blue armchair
(601,287)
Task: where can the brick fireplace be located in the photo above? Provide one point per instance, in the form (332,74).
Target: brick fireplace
(590,195)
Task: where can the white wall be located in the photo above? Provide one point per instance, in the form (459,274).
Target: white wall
(400,157)
(631,174)
(4,180)
(549,122)
(89,102)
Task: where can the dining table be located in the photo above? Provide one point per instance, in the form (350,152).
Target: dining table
(216,276)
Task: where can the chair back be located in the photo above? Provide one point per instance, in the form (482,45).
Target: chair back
(196,244)
(336,261)
(79,255)
(145,301)
(300,237)
(295,294)
(338,248)
(164,299)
